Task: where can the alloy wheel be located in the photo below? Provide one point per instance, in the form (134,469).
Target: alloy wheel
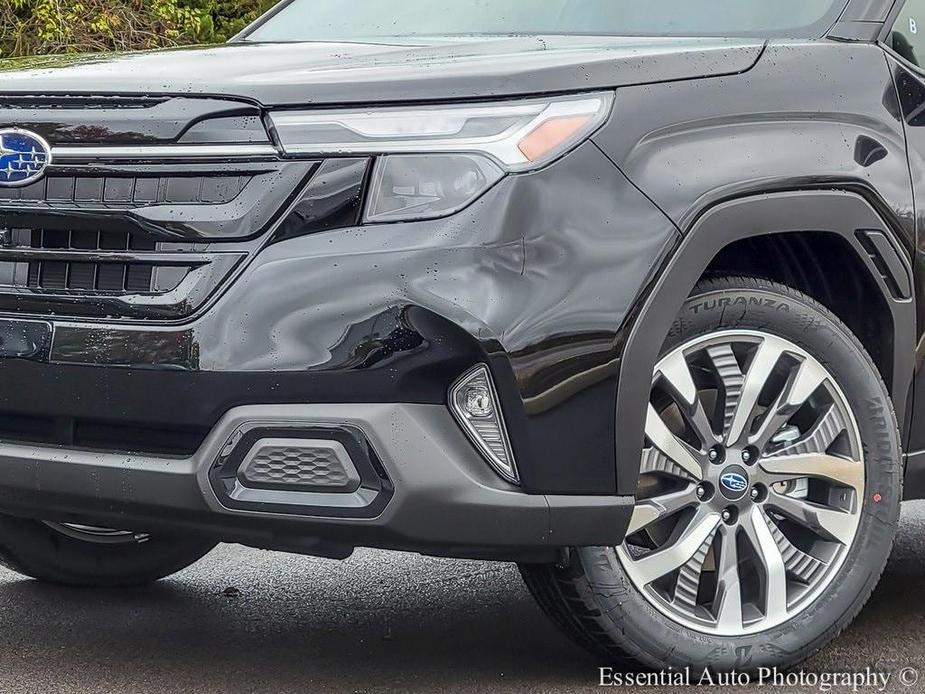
(751,484)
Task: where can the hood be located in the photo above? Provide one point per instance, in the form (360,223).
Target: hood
(339,73)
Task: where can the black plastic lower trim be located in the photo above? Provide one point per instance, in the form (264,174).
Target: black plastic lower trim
(432,492)
(914,483)
(373,477)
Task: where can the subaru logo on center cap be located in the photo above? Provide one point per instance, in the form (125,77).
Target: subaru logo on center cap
(23,157)
(733,484)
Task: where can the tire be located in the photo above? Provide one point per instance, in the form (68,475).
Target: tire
(595,596)
(71,556)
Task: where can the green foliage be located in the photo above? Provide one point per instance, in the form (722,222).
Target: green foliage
(42,27)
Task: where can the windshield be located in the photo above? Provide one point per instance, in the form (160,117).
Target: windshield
(361,20)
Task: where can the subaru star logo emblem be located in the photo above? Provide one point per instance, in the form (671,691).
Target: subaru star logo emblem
(734,482)
(23,157)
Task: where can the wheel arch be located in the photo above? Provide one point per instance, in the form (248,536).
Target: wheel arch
(838,214)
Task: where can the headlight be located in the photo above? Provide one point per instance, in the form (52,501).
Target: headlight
(438,159)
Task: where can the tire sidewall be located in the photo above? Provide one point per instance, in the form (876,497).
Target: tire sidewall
(35,549)
(795,318)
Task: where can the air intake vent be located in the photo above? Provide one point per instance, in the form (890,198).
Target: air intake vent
(148,205)
(300,464)
(120,277)
(124,191)
(105,273)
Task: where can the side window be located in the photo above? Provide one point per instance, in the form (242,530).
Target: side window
(907,36)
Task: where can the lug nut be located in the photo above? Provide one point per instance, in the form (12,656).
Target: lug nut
(759,493)
(727,516)
(714,454)
(701,492)
(746,456)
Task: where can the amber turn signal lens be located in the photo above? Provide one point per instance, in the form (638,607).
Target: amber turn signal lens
(550,135)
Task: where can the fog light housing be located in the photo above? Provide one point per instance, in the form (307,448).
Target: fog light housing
(478,402)
(474,403)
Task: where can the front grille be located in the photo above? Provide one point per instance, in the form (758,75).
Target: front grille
(147,207)
(122,191)
(87,262)
(95,277)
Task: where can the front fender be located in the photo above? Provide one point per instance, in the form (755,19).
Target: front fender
(844,213)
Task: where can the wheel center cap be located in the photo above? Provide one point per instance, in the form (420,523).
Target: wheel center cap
(734,482)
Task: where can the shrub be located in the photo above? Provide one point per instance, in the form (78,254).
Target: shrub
(38,27)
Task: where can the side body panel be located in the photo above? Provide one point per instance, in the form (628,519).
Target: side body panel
(911,90)
(808,115)
(811,116)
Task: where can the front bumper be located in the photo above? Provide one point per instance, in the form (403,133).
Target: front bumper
(538,279)
(434,493)
(115,421)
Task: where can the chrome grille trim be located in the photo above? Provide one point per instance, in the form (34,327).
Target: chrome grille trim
(166,152)
(99,256)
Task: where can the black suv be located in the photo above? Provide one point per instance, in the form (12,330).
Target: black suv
(575,284)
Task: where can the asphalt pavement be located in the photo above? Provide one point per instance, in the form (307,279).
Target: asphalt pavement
(244,620)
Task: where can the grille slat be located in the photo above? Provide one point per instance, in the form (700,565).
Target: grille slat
(184,217)
(111,278)
(116,191)
(138,278)
(60,272)
(53,275)
(83,276)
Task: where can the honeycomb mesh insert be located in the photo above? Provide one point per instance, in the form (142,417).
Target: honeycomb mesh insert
(298,466)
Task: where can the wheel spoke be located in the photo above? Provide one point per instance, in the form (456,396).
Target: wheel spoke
(656,462)
(671,558)
(802,565)
(803,382)
(829,523)
(677,375)
(727,368)
(763,363)
(819,437)
(833,468)
(774,570)
(687,587)
(669,444)
(728,600)
(809,376)
(648,511)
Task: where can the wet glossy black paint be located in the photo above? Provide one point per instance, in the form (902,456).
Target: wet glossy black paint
(397,312)
(910,88)
(341,73)
(810,115)
(807,115)
(542,277)
(138,120)
(333,199)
